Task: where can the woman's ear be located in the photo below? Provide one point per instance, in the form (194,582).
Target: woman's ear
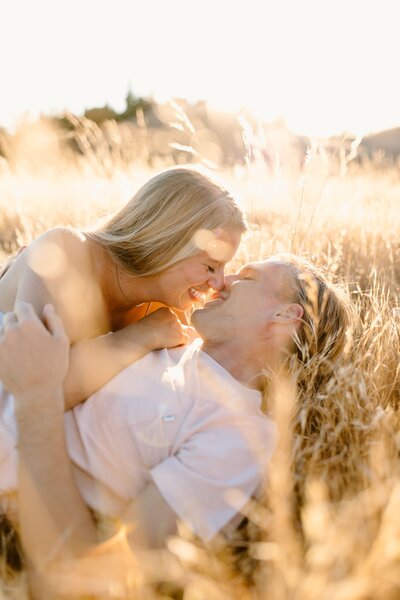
(289,313)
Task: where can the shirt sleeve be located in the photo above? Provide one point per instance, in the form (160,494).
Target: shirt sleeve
(196,481)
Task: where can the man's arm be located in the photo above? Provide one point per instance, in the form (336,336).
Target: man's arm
(58,534)
(150,519)
(55,523)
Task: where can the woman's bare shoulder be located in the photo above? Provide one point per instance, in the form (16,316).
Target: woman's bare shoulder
(62,260)
(65,242)
(62,236)
(58,267)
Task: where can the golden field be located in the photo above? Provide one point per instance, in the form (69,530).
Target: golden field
(329,528)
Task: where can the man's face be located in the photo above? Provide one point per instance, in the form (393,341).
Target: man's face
(249,301)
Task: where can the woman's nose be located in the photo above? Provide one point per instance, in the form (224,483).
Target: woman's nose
(229,279)
(217,280)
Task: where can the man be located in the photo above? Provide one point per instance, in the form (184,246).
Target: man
(171,435)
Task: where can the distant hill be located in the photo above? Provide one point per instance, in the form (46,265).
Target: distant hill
(176,131)
(179,131)
(386,142)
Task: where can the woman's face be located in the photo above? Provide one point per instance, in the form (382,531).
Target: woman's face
(190,279)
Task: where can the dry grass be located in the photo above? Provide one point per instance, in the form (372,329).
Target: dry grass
(329,526)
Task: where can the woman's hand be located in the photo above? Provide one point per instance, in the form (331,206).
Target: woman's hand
(165,330)
(96,361)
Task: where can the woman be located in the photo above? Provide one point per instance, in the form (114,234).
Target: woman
(169,245)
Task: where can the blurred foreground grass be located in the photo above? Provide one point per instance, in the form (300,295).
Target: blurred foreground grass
(329,525)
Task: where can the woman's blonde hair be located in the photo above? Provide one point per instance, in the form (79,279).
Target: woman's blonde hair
(155,229)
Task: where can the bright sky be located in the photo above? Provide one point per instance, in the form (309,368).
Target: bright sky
(325,66)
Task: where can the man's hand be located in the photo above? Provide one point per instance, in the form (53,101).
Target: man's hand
(33,354)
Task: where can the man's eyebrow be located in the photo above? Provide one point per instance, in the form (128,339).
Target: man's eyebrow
(247,270)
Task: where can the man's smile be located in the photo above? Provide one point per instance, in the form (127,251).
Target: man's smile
(218,297)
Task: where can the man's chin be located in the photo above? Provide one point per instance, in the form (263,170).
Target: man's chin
(195,317)
(212,303)
(207,306)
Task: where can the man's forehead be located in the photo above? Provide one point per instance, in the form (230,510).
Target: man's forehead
(269,265)
(272,273)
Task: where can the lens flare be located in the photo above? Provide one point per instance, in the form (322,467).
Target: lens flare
(216,248)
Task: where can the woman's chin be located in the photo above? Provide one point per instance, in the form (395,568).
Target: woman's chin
(185,302)
(184,306)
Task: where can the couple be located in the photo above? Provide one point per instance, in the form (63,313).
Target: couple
(169,436)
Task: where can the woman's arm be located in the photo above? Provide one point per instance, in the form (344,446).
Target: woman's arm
(48,272)
(9,262)
(95,362)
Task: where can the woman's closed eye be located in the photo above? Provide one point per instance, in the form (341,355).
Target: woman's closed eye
(210,269)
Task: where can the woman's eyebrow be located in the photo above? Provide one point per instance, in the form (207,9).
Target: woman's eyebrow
(216,262)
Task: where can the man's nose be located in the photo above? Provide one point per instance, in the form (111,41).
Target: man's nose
(217,280)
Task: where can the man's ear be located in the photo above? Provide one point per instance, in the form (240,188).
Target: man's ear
(288,313)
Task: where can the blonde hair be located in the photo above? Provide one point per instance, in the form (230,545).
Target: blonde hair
(155,229)
(327,324)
